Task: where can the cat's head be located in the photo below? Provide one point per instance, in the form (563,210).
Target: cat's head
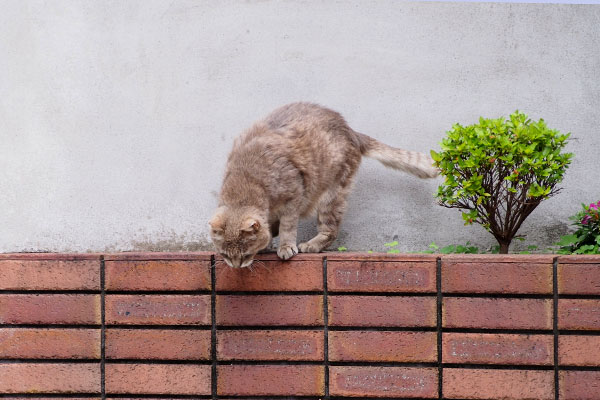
(238,234)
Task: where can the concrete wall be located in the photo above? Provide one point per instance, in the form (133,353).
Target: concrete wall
(116,117)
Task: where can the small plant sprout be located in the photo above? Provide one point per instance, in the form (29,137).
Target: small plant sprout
(392,247)
(498,171)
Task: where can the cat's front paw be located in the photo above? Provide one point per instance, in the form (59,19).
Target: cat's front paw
(286,252)
(306,247)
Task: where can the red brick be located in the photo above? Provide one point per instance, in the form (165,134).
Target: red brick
(382,311)
(273,257)
(579,350)
(358,256)
(157,255)
(475,348)
(484,313)
(49,309)
(158,344)
(579,385)
(377,276)
(49,343)
(272,276)
(269,310)
(158,275)
(55,398)
(579,259)
(50,256)
(496,277)
(579,278)
(49,378)
(499,258)
(382,346)
(158,309)
(49,275)
(270,345)
(578,314)
(157,379)
(498,384)
(271,380)
(397,382)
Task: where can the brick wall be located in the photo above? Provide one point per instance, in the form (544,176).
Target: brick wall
(317,327)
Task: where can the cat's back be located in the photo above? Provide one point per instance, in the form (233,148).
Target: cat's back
(303,115)
(298,126)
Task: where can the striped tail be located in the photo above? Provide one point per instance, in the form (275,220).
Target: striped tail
(413,162)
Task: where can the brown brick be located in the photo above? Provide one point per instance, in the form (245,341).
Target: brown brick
(358,256)
(55,398)
(158,344)
(578,314)
(579,350)
(49,378)
(270,345)
(50,256)
(579,259)
(498,384)
(157,379)
(382,311)
(496,277)
(499,258)
(49,343)
(475,348)
(271,380)
(382,346)
(158,275)
(49,309)
(397,382)
(274,275)
(579,278)
(269,310)
(158,309)
(485,313)
(49,275)
(157,255)
(381,276)
(579,385)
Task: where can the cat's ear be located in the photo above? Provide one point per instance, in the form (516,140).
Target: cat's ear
(250,225)
(217,223)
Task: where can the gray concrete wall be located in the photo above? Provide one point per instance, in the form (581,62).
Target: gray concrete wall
(116,117)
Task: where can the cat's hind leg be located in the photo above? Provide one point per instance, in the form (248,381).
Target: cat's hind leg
(330,211)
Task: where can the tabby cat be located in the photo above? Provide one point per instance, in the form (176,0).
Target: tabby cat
(299,159)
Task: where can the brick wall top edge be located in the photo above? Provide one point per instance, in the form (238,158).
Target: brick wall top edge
(530,258)
(273,257)
(50,256)
(335,256)
(339,256)
(580,259)
(142,256)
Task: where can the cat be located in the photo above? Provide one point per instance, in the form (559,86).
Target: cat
(301,158)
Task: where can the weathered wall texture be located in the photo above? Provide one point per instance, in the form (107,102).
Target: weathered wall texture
(116,117)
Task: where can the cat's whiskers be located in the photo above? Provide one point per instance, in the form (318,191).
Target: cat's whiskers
(261,264)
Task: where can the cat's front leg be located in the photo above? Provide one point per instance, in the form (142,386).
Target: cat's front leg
(288,228)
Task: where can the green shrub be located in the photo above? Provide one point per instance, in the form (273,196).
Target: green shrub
(500,170)
(586,239)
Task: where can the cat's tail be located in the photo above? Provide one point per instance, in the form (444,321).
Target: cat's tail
(413,162)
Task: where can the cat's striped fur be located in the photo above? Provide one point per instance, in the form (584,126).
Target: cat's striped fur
(300,158)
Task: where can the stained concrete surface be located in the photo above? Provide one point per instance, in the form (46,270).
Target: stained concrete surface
(116,117)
